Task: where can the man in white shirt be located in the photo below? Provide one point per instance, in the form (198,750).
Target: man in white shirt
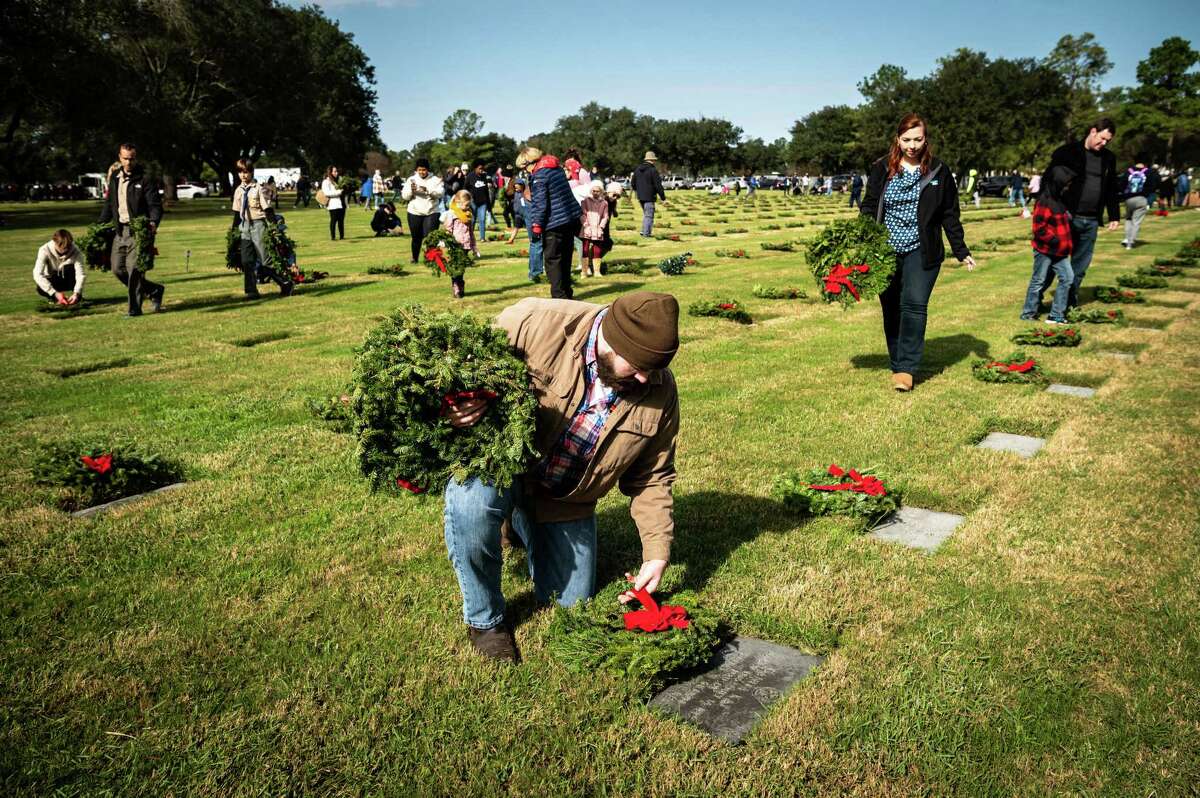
(59,268)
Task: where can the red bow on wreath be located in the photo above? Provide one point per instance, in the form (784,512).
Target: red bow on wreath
(101,464)
(435,254)
(872,486)
(1019,368)
(408,486)
(840,276)
(451,400)
(652,617)
(727,306)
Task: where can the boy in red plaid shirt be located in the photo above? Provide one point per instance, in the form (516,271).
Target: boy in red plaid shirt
(1051,247)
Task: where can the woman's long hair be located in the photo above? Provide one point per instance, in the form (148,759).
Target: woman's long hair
(329,172)
(895,154)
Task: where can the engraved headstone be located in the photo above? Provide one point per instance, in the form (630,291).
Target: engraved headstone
(1020,445)
(1078,391)
(917,528)
(737,686)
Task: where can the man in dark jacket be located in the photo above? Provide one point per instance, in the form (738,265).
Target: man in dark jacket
(856,187)
(1092,194)
(647,185)
(130,195)
(553,217)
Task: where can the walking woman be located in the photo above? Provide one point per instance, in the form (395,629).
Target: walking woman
(423,192)
(914,195)
(337,205)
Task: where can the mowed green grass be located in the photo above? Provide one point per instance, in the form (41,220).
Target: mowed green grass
(273,628)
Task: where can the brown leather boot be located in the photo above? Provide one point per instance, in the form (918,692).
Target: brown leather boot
(496,643)
(902,381)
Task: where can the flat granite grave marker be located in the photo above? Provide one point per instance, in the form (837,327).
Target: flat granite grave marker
(917,528)
(1123,356)
(1021,445)
(88,512)
(1077,391)
(741,682)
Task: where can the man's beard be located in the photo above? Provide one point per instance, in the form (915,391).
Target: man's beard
(606,370)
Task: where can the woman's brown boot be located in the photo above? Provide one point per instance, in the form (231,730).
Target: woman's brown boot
(902,381)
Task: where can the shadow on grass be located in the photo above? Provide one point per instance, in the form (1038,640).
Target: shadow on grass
(940,354)
(717,523)
(191,278)
(221,304)
(609,288)
(504,289)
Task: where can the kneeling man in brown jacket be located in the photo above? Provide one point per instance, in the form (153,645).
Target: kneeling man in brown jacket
(608,415)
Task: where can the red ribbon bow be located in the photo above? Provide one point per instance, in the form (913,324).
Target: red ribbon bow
(840,276)
(727,306)
(435,254)
(872,486)
(408,486)
(1019,368)
(101,464)
(652,617)
(451,400)
(1112,314)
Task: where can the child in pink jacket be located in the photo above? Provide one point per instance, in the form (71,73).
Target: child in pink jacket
(593,222)
(458,220)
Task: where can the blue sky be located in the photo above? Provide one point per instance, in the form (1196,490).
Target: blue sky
(762,65)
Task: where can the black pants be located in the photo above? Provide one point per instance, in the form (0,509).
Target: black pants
(855,196)
(301,196)
(337,218)
(62,283)
(905,309)
(124,260)
(509,215)
(558,248)
(418,228)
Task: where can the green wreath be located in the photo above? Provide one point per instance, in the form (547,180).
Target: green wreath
(97,244)
(851,260)
(1052,336)
(1095,316)
(452,259)
(1141,281)
(1125,296)
(722,308)
(1017,367)
(836,491)
(410,370)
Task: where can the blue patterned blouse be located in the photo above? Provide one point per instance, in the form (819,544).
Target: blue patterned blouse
(900,210)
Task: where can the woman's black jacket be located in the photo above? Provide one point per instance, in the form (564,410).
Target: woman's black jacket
(937,210)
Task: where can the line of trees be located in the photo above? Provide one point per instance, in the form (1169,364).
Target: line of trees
(196,83)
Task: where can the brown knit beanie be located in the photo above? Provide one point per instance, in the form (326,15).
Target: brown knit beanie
(643,328)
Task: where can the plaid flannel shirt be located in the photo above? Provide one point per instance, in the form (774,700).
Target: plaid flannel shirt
(561,469)
(1051,232)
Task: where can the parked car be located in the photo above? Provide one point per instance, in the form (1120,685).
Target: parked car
(706,183)
(190,190)
(996,185)
(842,182)
(731,182)
(675,182)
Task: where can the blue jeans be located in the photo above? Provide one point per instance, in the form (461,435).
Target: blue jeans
(1042,264)
(537,266)
(1017,195)
(481,214)
(1083,244)
(647,218)
(562,555)
(905,309)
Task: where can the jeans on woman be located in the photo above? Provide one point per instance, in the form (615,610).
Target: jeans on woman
(905,307)
(1042,264)
(419,227)
(562,555)
(481,215)
(337,218)
(537,266)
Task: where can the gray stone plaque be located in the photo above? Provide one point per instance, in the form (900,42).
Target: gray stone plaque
(103,508)
(1020,445)
(917,528)
(739,684)
(1122,356)
(1143,328)
(1077,391)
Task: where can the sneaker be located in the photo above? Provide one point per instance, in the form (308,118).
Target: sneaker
(287,288)
(496,643)
(1056,321)
(157,300)
(1028,318)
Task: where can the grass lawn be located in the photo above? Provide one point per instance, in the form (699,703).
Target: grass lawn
(274,628)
